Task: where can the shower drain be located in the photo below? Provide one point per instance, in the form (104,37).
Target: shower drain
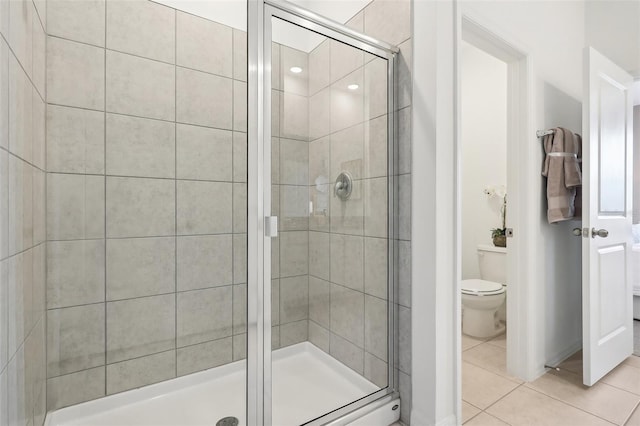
(227,421)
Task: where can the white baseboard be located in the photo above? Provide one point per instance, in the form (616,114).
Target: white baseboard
(564,354)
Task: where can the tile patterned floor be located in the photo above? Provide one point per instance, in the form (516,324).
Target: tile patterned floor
(492,397)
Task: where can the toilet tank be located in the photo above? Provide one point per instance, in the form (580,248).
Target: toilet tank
(493,263)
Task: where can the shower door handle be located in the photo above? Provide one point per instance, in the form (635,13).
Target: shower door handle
(271,226)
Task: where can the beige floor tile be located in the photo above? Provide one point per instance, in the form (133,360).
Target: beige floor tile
(468,411)
(633,361)
(624,377)
(573,363)
(484,419)
(469,342)
(602,400)
(482,388)
(525,406)
(500,341)
(634,420)
(490,357)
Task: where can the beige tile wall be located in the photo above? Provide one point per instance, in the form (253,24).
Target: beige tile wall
(22,212)
(147,196)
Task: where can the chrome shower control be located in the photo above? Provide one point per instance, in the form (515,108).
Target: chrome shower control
(343,186)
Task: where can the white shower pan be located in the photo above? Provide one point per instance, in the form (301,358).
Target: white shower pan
(307,383)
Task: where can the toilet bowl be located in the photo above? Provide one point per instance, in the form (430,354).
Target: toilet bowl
(481,300)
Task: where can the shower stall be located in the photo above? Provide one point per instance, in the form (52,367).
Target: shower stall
(221,222)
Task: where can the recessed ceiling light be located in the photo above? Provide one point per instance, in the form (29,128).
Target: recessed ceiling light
(352,86)
(295,70)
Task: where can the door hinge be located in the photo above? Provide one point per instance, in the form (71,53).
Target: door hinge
(271,226)
(509,232)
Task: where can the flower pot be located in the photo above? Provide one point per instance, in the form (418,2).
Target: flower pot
(500,241)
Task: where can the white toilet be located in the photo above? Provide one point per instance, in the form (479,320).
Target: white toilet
(483,300)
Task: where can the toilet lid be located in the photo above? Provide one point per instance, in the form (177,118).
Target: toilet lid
(481,287)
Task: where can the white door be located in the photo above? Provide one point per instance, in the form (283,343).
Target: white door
(607,172)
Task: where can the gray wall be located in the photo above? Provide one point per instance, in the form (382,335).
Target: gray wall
(22,207)
(146,125)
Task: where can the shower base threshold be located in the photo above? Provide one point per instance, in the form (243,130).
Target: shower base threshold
(307,383)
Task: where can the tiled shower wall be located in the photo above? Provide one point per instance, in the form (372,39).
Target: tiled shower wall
(348,239)
(22,212)
(146,129)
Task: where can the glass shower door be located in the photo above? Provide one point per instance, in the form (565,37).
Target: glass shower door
(331,286)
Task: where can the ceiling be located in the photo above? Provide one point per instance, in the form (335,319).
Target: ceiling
(234,14)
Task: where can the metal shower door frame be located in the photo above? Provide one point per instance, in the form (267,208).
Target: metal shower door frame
(259,35)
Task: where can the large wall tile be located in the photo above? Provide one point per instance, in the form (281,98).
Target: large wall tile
(320,301)
(204,45)
(38,121)
(204,355)
(139,372)
(294,116)
(206,154)
(319,259)
(375,88)
(239,55)
(347,261)
(4,314)
(294,260)
(4,86)
(376,207)
(39,207)
(75,339)
(294,332)
(294,162)
(376,147)
(347,353)
(344,59)
(21,115)
(347,106)
(140,147)
(240,258)
(375,267)
(319,157)
(375,327)
(294,208)
(320,114)
(347,152)
(140,267)
(77,20)
(240,309)
(291,82)
(347,217)
(204,261)
(404,141)
(75,208)
(294,299)
(75,74)
(239,207)
(20,31)
(4,204)
(204,315)
(142,28)
(75,273)
(319,67)
(404,273)
(140,87)
(388,20)
(15,204)
(140,207)
(240,157)
(75,140)
(347,314)
(376,370)
(75,388)
(240,106)
(204,207)
(319,336)
(139,327)
(39,75)
(204,99)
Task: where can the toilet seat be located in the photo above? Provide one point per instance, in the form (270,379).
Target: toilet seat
(477,287)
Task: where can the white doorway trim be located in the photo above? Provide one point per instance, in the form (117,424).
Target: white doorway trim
(525,335)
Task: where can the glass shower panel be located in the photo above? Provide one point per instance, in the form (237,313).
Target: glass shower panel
(329,189)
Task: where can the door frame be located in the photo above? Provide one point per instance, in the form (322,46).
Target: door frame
(524,301)
(259,351)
